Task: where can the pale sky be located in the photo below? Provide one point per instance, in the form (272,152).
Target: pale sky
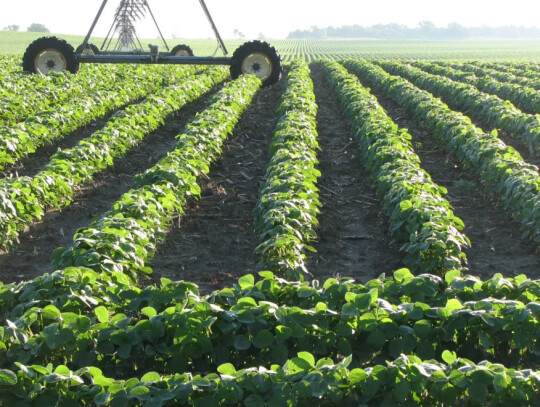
(273,18)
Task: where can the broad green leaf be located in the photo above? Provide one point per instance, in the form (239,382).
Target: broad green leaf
(402,275)
(306,292)
(84,323)
(363,301)
(246,282)
(50,312)
(308,357)
(405,205)
(149,312)
(227,369)
(501,381)
(283,332)
(62,370)
(478,392)
(350,309)
(246,316)
(321,307)
(151,377)
(422,328)
(7,378)
(263,339)
(449,394)
(376,339)
(254,400)
(297,365)
(453,304)
(139,391)
(356,376)
(41,369)
(102,398)
(266,274)
(458,379)
(241,342)
(449,357)
(102,314)
(344,329)
(52,336)
(451,276)
(401,390)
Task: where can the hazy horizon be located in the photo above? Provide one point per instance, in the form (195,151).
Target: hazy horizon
(185,19)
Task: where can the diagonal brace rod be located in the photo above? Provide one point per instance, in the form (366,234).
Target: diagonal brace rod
(216,32)
(98,15)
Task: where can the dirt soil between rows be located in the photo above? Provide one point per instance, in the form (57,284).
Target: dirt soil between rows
(497,245)
(213,243)
(352,233)
(32,256)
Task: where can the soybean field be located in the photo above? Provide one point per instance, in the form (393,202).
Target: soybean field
(364,232)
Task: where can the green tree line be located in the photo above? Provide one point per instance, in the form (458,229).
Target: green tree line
(424,30)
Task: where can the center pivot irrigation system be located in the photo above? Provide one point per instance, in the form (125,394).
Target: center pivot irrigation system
(48,54)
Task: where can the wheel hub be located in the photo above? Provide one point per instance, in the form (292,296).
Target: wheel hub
(50,60)
(258,64)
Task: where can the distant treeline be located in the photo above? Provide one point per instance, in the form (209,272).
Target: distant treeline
(425,30)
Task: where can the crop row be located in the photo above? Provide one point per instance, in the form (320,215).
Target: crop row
(249,326)
(196,334)
(63,311)
(45,92)
(55,184)
(80,290)
(302,380)
(14,80)
(525,69)
(20,97)
(311,50)
(8,63)
(488,108)
(21,139)
(28,94)
(525,98)
(286,213)
(507,76)
(502,170)
(420,216)
(124,238)
(89,334)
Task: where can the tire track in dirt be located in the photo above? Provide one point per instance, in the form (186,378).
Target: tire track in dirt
(353,239)
(31,257)
(496,243)
(213,243)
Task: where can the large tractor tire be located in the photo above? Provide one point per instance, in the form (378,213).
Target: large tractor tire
(90,49)
(259,58)
(182,50)
(50,54)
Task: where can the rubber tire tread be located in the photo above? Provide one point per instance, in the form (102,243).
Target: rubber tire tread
(257,46)
(34,49)
(183,47)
